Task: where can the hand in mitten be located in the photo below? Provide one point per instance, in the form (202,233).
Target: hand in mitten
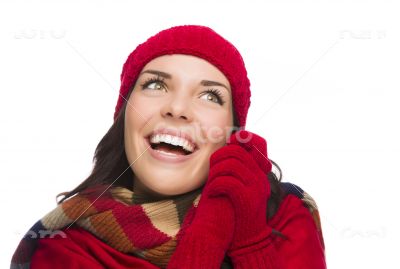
(247,187)
(206,235)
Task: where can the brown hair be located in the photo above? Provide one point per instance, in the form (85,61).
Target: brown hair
(111,166)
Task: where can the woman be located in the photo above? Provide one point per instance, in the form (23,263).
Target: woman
(177,182)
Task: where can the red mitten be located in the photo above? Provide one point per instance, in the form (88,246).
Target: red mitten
(231,214)
(255,145)
(247,187)
(206,235)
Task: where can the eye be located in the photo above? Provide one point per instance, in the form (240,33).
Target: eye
(154,84)
(215,96)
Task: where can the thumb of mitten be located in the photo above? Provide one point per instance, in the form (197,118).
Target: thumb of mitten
(255,145)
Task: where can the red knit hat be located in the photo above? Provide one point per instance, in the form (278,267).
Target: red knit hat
(196,40)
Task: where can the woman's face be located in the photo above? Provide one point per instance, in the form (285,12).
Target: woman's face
(181,100)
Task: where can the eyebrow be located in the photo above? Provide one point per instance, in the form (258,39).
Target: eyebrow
(168,76)
(156,72)
(213,83)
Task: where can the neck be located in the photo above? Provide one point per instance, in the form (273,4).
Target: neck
(142,194)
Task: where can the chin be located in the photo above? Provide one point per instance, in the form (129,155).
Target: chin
(169,188)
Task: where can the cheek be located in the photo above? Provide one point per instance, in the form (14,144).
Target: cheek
(216,128)
(137,113)
(138,108)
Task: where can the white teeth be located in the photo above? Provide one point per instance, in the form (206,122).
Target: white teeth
(173,140)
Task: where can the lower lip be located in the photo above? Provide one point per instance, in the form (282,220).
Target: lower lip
(166,157)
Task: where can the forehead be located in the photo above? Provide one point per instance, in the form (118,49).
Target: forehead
(188,65)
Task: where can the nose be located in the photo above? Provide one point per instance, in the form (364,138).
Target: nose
(177,107)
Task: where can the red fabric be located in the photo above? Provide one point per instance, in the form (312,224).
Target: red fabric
(235,226)
(197,40)
(235,184)
(81,249)
(303,247)
(302,250)
(205,241)
(248,190)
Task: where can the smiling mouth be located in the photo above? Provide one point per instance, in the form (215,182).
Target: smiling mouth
(172,149)
(169,148)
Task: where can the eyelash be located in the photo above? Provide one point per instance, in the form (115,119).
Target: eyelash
(152,80)
(217,94)
(160,80)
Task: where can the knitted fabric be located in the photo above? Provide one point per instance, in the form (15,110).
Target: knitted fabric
(148,230)
(195,40)
(309,202)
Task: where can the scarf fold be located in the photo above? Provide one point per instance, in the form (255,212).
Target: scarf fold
(140,225)
(147,228)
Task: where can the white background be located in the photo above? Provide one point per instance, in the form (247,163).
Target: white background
(325,95)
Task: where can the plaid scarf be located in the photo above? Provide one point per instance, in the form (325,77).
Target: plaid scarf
(131,224)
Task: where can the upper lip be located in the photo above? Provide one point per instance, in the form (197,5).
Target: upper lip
(174,132)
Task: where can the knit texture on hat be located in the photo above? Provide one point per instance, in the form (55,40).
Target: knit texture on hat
(200,41)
